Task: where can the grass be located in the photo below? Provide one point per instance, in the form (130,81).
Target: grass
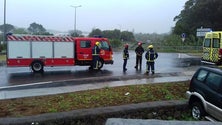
(2,58)
(93,98)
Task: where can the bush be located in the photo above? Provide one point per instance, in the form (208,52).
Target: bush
(2,47)
(115,43)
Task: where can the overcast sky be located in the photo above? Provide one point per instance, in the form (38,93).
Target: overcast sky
(146,16)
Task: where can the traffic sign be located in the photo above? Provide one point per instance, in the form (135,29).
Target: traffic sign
(183,36)
(202,31)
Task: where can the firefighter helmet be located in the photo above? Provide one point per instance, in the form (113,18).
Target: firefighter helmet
(150,46)
(139,43)
(97,43)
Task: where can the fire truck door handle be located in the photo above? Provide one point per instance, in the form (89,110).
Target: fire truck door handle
(81,53)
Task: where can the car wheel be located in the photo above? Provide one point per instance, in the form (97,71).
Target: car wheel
(197,111)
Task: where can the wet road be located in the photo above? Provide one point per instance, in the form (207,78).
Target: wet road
(166,63)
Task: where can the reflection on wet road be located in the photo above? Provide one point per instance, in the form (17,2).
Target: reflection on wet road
(17,76)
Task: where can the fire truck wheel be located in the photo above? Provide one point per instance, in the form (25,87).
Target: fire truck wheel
(37,66)
(100,64)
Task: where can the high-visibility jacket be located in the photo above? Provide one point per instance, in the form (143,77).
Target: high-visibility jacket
(151,55)
(125,53)
(95,50)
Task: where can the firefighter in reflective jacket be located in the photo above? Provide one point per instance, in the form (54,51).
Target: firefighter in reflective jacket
(150,56)
(95,56)
(125,57)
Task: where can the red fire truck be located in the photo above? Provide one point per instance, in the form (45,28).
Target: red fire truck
(38,51)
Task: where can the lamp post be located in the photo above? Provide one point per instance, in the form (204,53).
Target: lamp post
(4,34)
(75,19)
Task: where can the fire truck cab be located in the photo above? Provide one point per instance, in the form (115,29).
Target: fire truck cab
(84,51)
(37,52)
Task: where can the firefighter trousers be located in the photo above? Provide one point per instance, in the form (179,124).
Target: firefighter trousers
(96,62)
(138,62)
(150,65)
(124,64)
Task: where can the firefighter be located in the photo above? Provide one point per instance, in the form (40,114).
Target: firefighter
(139,52)
(95,55)
(150,56)
(125,57)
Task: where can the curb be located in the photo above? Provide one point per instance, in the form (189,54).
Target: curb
(98,116)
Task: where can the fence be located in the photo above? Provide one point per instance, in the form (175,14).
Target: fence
(185,49)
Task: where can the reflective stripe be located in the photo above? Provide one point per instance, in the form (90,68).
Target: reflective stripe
(95,51)
(149,56)
(124,56)
(149,60)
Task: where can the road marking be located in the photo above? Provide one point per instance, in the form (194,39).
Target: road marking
(25,85)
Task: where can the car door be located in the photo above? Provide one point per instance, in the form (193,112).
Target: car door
(220,103)
(207,49)
(106,51)
(215,50)
(213,95)
(83,50)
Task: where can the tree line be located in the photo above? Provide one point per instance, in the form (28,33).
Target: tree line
(117,37)
(34,29)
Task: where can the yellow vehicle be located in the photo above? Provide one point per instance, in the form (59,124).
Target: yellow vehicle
(212,48)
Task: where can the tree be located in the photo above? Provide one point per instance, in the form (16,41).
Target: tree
(36,29)
(115,36)
(127,36)
(115,43)
(78,33)
(112,34)
(199,13)
(147,38)
(96,32)
(9,28)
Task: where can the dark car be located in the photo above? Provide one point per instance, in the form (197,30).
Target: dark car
(205,93)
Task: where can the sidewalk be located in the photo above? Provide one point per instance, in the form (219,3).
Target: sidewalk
(29,92)
(118,121)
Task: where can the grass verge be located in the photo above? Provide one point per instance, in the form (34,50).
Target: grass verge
(93,98)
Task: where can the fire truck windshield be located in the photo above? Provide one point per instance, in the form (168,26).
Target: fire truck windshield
(104,45)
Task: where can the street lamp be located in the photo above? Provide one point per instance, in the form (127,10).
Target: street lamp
(75,18)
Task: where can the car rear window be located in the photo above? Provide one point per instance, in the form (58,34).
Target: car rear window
(216,43)
(201,76)
(207,42)
(213,81)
